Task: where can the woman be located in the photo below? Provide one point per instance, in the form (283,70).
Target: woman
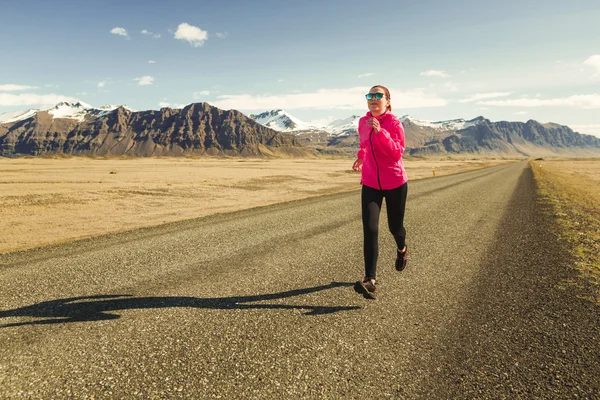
(383,176)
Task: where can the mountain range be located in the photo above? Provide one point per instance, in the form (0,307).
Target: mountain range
(478,136)
(199,128)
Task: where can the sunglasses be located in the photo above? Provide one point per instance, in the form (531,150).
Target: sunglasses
(378,96)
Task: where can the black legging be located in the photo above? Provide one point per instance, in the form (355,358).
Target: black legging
(395,202)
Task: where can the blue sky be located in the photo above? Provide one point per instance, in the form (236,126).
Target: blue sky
(505,60)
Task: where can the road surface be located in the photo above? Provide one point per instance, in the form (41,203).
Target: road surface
(260,304)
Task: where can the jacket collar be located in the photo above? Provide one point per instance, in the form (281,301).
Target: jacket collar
(382,116)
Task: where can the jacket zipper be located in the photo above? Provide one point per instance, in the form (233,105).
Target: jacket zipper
(375,159)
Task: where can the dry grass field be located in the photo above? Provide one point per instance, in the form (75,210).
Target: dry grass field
(46,201)
(572,186)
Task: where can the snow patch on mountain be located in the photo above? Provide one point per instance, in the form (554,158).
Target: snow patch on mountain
(14,116)
(68,110)
(81,110)
(78,111)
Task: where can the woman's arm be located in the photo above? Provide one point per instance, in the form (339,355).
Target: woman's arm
(363,138)
(391,141)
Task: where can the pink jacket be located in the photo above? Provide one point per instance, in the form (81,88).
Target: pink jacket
(381,152)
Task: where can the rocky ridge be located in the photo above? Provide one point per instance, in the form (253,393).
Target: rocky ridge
(198,128)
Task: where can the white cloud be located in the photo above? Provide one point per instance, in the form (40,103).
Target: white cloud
(145,80)
(584,101)
(590,129)
(28,99)
(521,112)
(201,93)
(435,73)
(194,35)
(15,88)
(163,104)
(594,62)
(151,62)
(148,33)
(366,75)
(221,35)
(101,84)
(483,96)
(117,30)
(451,86)
(352,98)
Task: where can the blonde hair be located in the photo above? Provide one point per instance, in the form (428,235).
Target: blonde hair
(387,94)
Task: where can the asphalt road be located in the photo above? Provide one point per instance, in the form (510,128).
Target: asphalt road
(260,304)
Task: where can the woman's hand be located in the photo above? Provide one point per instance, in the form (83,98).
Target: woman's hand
(357,166)
(374,123)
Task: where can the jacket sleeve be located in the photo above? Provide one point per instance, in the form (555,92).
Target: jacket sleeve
(391,141)
(361,153)
(363,140)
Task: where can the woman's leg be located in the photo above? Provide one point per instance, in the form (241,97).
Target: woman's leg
(395,202)
(371,200)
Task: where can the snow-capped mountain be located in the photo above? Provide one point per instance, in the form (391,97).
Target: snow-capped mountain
(344,126)
(281,121)
(78,111)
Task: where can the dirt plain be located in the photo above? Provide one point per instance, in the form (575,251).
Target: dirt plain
(46,201)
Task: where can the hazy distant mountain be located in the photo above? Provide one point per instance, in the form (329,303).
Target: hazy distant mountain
(199,128)
(522,138)
(478,136)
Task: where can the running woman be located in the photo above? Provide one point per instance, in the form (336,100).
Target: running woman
(382,177)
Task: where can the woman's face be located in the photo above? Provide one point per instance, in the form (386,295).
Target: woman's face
(378,107)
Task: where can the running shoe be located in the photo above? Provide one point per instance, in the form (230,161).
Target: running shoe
(367,288)
(401,259)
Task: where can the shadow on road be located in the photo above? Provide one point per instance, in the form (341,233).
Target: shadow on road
(98,308)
